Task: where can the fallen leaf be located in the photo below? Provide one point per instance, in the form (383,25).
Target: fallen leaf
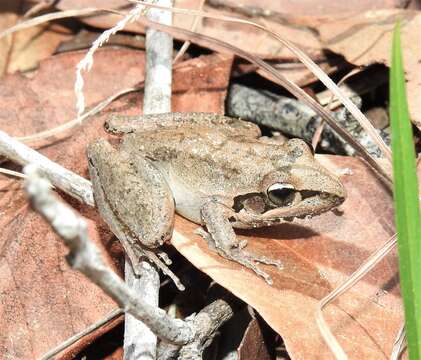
(8,18)
(253,345)
(318,255)
(32,45)
(367,38)
(314,7)
(42,301)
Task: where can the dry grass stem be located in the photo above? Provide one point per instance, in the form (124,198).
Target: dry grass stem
(54,16)
(12,173)
(87,62)
(193,28)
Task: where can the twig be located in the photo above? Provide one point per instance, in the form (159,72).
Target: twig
(296,119)
(67,181)
(206,323)
(84,256)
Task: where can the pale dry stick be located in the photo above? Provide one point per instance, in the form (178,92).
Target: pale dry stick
(69,182)
(85,257)
(140,343)
(399,345)
(193,28)
(369,264)
(73,339)
(319,130)
(12,173)
(77,121)
(306,60)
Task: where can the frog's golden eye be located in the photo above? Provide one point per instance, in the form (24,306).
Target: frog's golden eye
(281,194)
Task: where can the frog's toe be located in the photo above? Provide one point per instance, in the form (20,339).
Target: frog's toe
(252,261)
(266,260)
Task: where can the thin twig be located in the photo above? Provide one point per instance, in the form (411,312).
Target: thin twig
(67,181)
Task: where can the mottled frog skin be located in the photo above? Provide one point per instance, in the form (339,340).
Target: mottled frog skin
(215,171)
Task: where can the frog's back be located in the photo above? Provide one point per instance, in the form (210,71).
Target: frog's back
(206,160)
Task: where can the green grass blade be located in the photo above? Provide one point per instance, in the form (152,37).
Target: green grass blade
(407,211)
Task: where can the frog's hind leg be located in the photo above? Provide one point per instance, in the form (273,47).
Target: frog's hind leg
(221,237)
(123,124)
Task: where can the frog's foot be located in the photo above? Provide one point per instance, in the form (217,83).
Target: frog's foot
(154,257)
(251,261)
(222,239)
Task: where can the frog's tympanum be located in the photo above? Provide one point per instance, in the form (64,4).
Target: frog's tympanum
(211,169)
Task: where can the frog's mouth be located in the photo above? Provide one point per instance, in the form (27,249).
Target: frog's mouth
(262,210)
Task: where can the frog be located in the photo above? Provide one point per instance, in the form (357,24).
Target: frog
(216,171)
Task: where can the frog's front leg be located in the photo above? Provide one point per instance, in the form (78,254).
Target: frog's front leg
(135,201)
(222,237)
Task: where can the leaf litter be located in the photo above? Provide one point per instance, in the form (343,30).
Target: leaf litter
(322,264)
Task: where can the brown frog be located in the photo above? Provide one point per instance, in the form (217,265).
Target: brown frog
(215,171)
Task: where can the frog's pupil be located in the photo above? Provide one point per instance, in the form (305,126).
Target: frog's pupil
(282,197)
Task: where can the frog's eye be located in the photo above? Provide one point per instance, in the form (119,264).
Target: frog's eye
(281,194)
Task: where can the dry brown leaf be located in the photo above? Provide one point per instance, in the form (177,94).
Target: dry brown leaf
(316,7)
(318,255)
(253,345)
(42,301)
(8,18)
(367,38)
(32,45)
